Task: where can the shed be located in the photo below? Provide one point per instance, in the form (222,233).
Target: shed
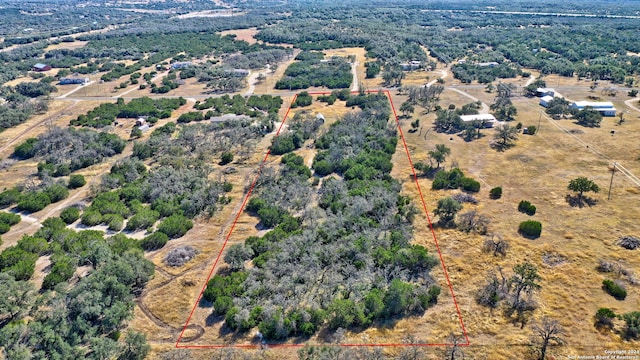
(546,100)
(41,67)
(487,120)
(540,92)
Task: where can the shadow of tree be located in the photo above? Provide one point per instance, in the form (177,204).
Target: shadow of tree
(575,201)
(500,147)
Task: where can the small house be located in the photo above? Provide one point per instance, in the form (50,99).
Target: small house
(540,92)
(546,100)
(486,120)
(41,67)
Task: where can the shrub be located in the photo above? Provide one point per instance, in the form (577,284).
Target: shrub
(632,319)
(464,198)
(226,158)
(19,263)
(604,318)
(531,130)
(629,242)
(9,218)
(255,204)
(227,187)
(525,207)
(33,201)
(9,197)
(91,218)
(614,289)
(222,305)
(271,216)
(495,193)
(57,192)
(34,245)
(450,180)
(62,270)
(155,241)
(76,181)
(143,219)
(175,226)
(530,228)
(468,184)
(114,221)
(26,150)
(180,256)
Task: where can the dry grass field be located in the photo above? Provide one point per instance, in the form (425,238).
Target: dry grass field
(243,34)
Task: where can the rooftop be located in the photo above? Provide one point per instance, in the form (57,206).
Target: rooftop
(478,117)
(544,90)
(593,104)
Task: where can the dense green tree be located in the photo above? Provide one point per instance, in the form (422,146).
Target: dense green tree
(524,281)
(588,117)
(505,136)
(175,226)
(581,185)
(16,298)
(439,154)
(447,210)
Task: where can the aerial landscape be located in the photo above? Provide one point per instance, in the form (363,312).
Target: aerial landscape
(311,179)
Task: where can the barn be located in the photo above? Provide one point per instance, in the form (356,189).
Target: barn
(41,67)
(603,107)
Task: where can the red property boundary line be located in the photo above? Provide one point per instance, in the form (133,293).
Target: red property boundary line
(424,206)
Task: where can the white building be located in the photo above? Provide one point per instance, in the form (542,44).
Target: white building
(487,120)
(546,100)
(603,107)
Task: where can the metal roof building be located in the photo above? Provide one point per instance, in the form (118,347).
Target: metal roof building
(487,120)
(606,108)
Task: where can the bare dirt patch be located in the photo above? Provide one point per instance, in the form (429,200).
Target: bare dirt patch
(247,35)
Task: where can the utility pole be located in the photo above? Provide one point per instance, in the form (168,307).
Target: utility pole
(539,118)
(613,171)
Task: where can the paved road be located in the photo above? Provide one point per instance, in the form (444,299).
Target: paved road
(74,90)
